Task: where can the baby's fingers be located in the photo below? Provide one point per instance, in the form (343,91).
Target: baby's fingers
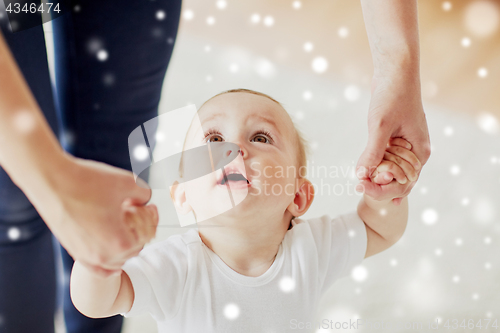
(389,166)
(405,159)
(383,178)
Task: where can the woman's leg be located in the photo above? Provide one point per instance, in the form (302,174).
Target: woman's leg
(27,272)
(111,58)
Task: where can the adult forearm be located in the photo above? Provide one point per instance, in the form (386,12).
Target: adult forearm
(383,217)
(392,28)
(29,151)
(80,200)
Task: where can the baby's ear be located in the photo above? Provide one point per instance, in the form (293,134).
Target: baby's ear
(178,196)
(303,198)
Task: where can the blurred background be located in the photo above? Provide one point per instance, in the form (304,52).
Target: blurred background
(313,56)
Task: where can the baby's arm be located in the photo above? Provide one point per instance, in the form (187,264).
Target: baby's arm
(98,297)
(386,222)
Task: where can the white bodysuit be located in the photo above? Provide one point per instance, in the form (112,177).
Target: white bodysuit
(188,288)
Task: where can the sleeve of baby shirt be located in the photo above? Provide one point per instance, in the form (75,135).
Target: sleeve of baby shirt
(341,243)
(158,275)
(135,268)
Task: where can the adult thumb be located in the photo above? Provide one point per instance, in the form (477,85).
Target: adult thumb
(373,153)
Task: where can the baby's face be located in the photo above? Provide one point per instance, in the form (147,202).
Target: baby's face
(266,137)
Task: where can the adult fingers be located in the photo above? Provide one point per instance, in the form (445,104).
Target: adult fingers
(397,172)
(149,221)
(138,220)
(155,219)
(418,135)
(422,151)
(406,168)
(407,155)
(400,142)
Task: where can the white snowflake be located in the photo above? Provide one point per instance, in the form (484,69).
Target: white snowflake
(352,93)
(343,32)
(446,6)
(255,18)
(231,311)
(188,14)
(319,64)
(102,55)
(221,4)
(482,72)
(359,273)
(210,20)
(141,152)
(14,233)
(269,21)
(160,15)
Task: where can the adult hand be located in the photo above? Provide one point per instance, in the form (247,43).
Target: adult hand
(81,201)
(395,111)
(87,209)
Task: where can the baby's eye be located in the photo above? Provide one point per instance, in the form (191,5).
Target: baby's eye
(215,138)
(261,138)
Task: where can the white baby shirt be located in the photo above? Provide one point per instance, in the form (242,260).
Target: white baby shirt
(188,288)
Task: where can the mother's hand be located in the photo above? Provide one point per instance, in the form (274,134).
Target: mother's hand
(86,209)
(395,111)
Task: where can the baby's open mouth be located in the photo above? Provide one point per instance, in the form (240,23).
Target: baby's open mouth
(234,176)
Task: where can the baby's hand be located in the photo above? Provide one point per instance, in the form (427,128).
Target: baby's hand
(143,220)
(399,163)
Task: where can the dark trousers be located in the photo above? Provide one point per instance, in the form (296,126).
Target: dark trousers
(110,61)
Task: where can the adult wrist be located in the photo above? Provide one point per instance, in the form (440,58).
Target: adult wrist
(57,172)
(45,183)
(401,64)
(404,82)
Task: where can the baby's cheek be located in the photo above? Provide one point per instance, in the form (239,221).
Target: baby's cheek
(284,187)
(197,189)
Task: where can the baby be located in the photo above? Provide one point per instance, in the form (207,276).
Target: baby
(256,267)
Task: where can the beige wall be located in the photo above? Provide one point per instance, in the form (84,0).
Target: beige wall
(448,70)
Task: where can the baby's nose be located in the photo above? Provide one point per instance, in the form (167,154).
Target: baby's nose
(239,151)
